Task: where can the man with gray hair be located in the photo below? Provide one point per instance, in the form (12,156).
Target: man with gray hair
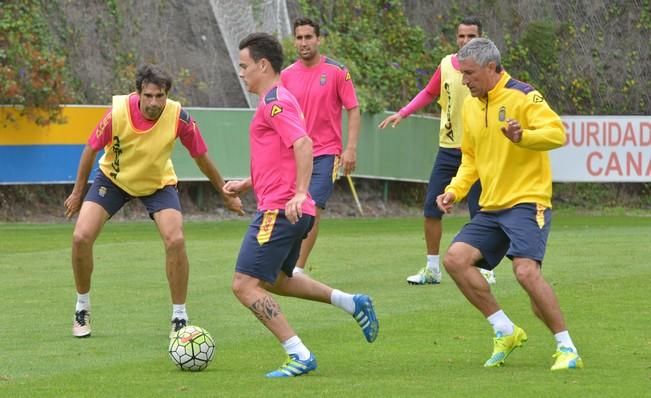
(508,129)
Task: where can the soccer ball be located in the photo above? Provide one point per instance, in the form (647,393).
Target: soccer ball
(192,348)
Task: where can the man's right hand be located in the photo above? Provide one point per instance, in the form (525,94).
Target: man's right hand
(234,204)
(72,204)
(235,187)
(231,191)
(445,201)
(394,119)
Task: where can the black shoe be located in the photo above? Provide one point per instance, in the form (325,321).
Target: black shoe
(81,324)
(177,324)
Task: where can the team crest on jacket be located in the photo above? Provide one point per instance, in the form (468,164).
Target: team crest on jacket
(276,109)
(502,114)
(323,79)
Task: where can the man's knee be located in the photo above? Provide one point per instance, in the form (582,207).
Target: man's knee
(526,271)
(174,241)
(238,286)
(458,257)
(82,237)
(243,286)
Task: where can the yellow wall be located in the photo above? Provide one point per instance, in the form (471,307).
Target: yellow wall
(81,120)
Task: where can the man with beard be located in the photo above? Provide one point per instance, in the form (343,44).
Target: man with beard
(138,134)
(322,87)
(445,85)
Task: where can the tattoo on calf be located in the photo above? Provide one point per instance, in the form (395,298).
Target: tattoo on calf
(265,309)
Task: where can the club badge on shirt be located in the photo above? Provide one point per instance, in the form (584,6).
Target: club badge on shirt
(502,115)
(275,110)
(323,79)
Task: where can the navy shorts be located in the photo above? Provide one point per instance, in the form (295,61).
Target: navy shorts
(272,244)
(520,231)
(445,168)
(324,173)
(111,197)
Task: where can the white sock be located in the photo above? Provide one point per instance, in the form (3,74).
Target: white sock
(501,323)
(343,301)
(294,345)
(178,311)
(298,270)
(433,263)
(563,339)
(83,302)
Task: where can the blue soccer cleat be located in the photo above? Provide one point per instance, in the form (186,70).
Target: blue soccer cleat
(365,316)
(294,367)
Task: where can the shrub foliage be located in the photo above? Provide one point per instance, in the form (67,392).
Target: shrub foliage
(32,73)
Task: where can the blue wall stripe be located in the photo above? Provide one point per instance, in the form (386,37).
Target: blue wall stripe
(36,164)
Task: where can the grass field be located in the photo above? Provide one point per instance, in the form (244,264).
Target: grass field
(431,343)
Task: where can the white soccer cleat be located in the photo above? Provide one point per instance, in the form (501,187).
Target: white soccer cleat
(488,275)
(425,277)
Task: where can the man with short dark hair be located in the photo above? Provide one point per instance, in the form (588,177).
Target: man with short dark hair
(322,86)
(281,166)
(446,85)
(138,134)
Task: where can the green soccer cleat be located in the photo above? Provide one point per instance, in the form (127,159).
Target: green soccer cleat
(294,367)
(566,358)
(504,345)
(425,277)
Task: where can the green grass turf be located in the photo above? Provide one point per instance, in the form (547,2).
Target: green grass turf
(431,343)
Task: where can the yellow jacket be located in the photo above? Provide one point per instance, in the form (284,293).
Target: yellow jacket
(510,173)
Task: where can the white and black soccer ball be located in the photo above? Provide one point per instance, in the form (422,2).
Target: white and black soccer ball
(192,348)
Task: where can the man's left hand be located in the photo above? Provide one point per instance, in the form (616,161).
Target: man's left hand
(349,160)
(294,208)
(513,130)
